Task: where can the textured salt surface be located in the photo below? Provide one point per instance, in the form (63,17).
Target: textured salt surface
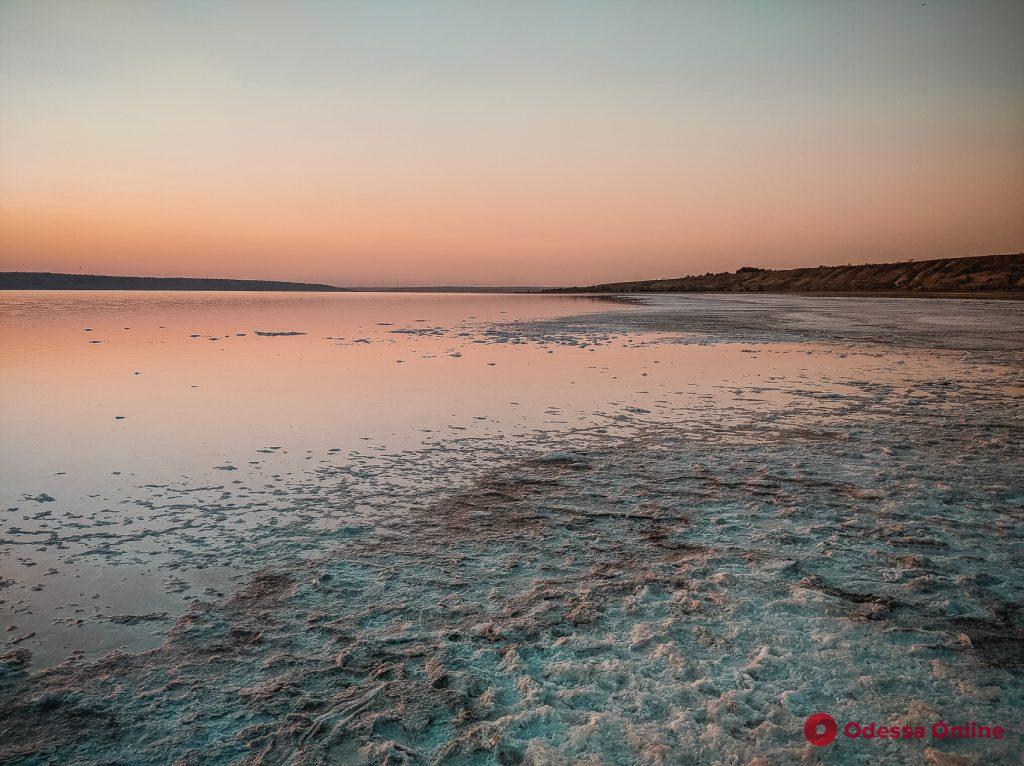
(682,580)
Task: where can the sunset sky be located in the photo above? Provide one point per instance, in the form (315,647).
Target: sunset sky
(525,143)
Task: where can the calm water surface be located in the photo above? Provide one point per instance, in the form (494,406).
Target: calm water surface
(160,383)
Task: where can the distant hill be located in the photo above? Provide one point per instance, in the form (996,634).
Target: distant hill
(43,280)
(985,274)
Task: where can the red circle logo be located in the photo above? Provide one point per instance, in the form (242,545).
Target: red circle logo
(820,729)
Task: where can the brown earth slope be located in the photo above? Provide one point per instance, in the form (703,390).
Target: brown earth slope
(986,274)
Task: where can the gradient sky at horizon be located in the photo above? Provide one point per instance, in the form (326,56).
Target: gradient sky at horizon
(505,143)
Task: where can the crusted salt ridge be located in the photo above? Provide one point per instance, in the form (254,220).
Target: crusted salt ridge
(670,599)
(965,325)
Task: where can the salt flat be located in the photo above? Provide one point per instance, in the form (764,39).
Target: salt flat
(522,529)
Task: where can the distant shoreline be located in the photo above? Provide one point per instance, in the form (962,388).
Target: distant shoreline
(994,277)
(948,295)
(43,280)
(47,280)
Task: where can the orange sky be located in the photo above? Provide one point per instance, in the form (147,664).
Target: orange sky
(455,143)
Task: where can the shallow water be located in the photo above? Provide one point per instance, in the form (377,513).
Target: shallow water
(162,423)
(544,528)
